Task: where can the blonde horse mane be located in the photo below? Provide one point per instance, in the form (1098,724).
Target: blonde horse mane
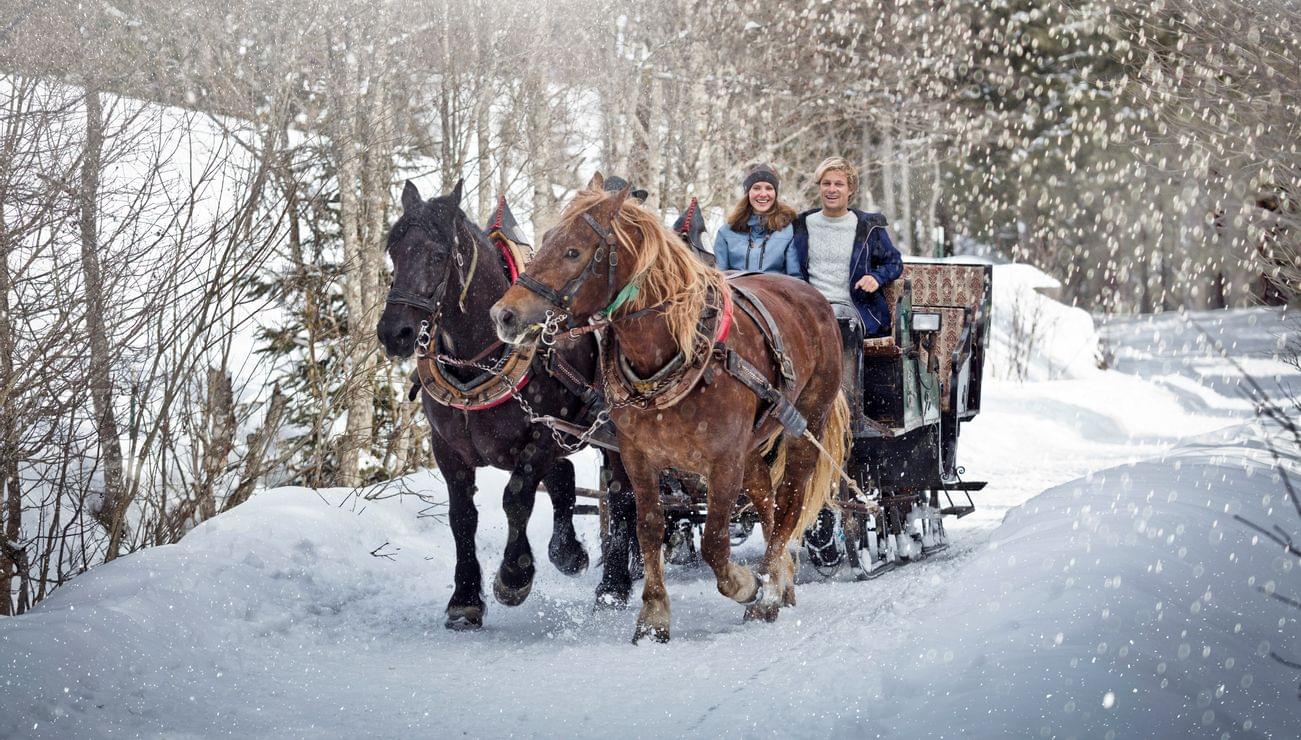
(669,274)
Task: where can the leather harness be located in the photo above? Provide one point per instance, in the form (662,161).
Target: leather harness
(673,382)
(607,251)
(509,373)
(669,385)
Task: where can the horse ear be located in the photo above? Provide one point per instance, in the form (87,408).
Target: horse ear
(616,201)
(456,192)
(597,182)
(410,196)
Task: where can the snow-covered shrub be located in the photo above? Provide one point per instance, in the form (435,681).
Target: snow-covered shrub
(1033,337)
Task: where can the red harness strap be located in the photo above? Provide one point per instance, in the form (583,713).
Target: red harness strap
(511,267)
(725,323)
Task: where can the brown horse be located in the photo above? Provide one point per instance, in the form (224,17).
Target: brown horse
(675,351)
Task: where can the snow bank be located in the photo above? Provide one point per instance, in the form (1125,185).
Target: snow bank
(172,632)
(1033,337)
(1129,602)
(1134,601)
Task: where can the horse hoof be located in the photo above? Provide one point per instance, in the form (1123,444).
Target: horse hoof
(656,634)
(572,561)
(760,612)
(788,597)
(511,596)
(464,618)
(610,600)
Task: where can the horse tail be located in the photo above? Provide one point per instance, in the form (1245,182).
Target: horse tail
(835,441)
(774,453)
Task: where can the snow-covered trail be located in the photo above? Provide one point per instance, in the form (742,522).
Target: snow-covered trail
(1083,612)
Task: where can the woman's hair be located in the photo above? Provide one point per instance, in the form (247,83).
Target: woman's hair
(776,219)
(838,164)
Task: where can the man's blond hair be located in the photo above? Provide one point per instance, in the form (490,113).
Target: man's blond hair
(841,165)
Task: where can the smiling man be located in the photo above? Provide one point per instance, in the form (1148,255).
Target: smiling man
(844,252)
(847,254)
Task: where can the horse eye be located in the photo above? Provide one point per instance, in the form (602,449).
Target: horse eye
(571,254)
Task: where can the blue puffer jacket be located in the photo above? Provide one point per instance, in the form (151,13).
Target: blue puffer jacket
(732,249)
(874,254)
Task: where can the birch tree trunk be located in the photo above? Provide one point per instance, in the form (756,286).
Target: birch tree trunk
(113,507)
(703,174)
(906,202)
(537,96)
(506,140)
(945,223)
(11,496)
(357,394)
(367,180)
(929,244)
(865,182)
(539,147)
(887,173)
(653,105)
(483,140)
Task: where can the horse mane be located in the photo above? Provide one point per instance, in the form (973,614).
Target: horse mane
(424,220)
(670,275)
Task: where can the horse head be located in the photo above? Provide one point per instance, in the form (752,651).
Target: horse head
(578,270)
(427,244)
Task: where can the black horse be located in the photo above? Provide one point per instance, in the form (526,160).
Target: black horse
(446,275)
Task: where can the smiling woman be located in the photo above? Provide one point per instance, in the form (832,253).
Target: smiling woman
(758,233)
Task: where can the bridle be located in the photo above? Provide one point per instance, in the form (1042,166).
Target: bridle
(432,306)
(606,251)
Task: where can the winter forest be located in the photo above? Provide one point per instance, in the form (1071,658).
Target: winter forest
(196,196)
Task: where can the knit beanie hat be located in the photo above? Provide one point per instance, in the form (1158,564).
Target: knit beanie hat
(760,173)
(614,184)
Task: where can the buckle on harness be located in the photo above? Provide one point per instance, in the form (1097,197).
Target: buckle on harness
(787,369)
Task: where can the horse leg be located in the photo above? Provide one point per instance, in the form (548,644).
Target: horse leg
(801,459)
(734,581)
(515,576)
(616,580)
(758,486)
(465,610)
(565,550)
(653,620)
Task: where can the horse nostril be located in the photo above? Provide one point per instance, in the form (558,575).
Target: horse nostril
(506,317)
(405,333)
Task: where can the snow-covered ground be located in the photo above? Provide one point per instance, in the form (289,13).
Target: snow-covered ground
(1103,588)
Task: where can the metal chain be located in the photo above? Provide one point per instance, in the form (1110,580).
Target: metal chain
(602,417)
(494,368)
(424,339)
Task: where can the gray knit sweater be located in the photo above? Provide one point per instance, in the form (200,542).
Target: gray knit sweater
(831,244)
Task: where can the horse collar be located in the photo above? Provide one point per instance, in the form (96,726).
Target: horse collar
(671,383)
(488,390)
